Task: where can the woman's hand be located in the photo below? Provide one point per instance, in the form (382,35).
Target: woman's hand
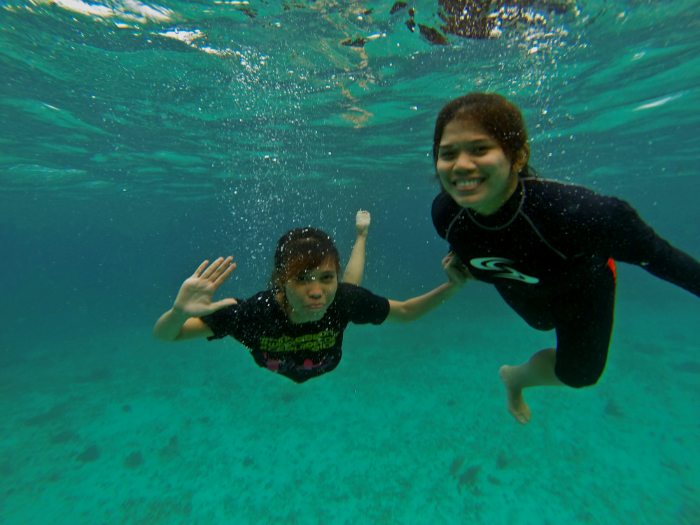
(194,297)
(456,270)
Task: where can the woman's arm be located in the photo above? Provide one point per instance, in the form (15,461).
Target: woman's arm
(412,309)
(629,239)
(193,301)
(355,269)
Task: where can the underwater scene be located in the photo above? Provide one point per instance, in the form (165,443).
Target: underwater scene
(141,137)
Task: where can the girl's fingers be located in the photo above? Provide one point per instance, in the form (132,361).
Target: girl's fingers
(199,270)
(212,267)
(222,267)
(221,278)
(216,269)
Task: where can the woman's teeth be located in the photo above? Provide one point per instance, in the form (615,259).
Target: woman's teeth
(466,184)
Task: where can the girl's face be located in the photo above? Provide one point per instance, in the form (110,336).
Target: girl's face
(310,293)
(474,170)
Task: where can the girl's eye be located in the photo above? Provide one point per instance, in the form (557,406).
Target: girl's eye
(446,154)
(327,278)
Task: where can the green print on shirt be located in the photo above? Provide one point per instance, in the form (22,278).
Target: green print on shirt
(309,342)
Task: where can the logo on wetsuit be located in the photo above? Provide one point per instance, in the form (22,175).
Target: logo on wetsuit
(498,264)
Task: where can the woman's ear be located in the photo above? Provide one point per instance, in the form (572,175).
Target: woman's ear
(521,158)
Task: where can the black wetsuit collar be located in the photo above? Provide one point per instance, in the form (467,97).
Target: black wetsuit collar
(505,214)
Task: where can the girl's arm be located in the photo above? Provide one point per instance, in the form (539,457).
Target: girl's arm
(171,327)
(356,265)
(412,309)
(194,301)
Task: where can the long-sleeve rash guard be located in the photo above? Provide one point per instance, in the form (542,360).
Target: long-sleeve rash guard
(549,250)
(549,236)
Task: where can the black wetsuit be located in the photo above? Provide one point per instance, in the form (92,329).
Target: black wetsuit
(549,251)
(298,351)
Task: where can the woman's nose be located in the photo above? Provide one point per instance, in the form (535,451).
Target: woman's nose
(315,290)
(465,162)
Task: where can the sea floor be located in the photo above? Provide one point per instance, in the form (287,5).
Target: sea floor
(117,428)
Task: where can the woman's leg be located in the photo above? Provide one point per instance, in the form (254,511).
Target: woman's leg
(538,371)
(583,320)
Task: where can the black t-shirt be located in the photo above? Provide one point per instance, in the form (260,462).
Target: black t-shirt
(550,237)
(298,351)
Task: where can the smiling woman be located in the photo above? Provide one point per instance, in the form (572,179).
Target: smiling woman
(473,168)
(549,248)
(295,328)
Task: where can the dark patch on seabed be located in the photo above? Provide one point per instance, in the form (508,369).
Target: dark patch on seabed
(98,375)
(456,466)
(170,451)
(89,455)
(612,409)
(65,436)
(133,460)
(502,461)
(691,367)
(468,479)
(55,414)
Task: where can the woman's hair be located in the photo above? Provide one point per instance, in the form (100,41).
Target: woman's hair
(300,250)
(499,118)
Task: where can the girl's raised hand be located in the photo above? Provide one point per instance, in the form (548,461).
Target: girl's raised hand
(362,220)
(194,297)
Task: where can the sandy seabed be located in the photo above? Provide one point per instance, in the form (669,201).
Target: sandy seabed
(117,428)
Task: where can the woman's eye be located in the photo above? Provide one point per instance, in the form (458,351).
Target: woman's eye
(327,278)
(447,155)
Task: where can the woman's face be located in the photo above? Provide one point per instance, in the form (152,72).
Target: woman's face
(474,169)
(310,293)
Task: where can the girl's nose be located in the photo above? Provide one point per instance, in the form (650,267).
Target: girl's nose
(315,290)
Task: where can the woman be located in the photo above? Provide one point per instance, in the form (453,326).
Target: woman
(296,327)
(549,248)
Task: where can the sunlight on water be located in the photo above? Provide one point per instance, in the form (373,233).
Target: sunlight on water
(232,88)
(275,80)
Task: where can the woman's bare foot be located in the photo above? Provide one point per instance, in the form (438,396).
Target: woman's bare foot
(514,396)
(362,223)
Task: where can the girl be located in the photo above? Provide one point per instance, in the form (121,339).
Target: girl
(296,327)
(549,248)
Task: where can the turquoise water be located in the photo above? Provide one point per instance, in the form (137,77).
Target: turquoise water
(140,138)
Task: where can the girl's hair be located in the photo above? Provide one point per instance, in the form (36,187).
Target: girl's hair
(499,118)
(300,250)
